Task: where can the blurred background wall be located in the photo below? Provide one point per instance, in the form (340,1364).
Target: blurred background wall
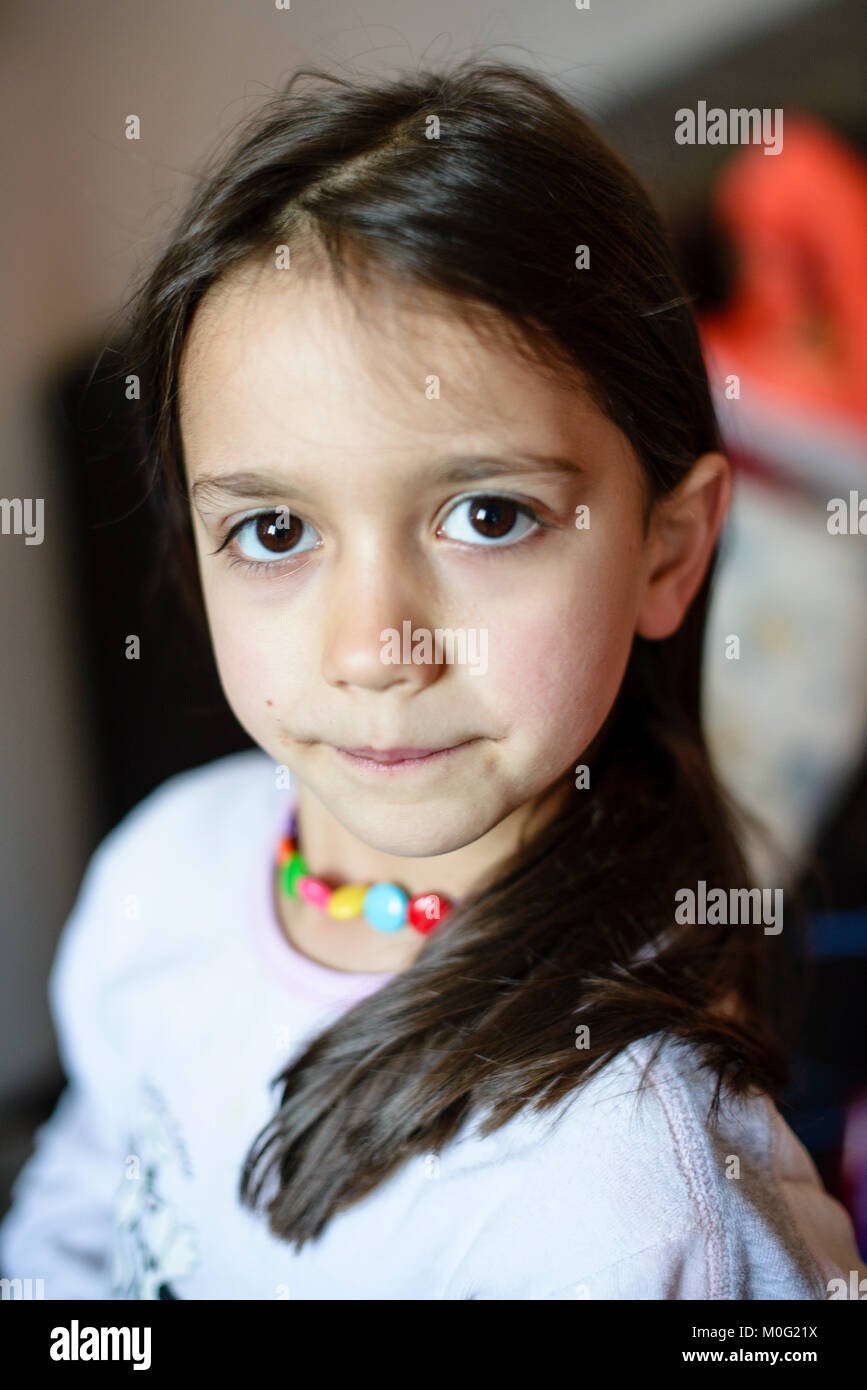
(85,209)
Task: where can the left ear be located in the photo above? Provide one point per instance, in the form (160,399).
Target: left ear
(682,534)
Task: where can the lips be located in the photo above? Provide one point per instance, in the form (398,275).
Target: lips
(400,762)
(393,755)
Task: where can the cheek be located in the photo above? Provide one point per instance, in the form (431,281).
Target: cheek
(557,666)
(251,660)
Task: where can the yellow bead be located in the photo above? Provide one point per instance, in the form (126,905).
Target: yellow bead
(346,902)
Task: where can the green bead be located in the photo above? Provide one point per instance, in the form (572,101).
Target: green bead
(294,868)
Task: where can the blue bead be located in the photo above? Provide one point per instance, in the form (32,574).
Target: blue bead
(385,906)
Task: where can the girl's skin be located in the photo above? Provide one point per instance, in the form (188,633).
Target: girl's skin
(280,377)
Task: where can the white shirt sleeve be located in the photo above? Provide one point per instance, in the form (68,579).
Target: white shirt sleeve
(58,1232)
(58,1229)
(672,1268)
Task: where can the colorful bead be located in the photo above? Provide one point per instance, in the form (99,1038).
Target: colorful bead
(314,890)
(347,901)
(385,906)
(426,910)
(295,867)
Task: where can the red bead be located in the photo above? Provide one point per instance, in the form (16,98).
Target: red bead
(315,890)
(426,910)
(285,851)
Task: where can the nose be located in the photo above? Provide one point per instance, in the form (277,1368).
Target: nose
(371,610)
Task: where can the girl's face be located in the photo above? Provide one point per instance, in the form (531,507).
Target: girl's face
(422,481)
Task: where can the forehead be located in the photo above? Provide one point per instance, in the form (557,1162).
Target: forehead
(279,358)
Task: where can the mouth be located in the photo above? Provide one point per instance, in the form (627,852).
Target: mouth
(385,760)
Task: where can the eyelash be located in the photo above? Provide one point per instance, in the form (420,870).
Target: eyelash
(250,564)
(246,564)
(240,560)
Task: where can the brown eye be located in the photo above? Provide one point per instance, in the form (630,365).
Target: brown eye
(490,519)
(493,517)
(270,536)
(278,531)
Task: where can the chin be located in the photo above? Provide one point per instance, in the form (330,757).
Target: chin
(413,835)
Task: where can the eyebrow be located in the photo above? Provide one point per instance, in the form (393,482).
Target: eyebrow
(457,468)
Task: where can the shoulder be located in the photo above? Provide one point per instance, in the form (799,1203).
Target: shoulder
(188,823)
(199,803)
(718,1195)
(160,863)
(640,1193)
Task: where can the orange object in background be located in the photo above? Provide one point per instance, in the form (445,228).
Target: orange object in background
(795,325)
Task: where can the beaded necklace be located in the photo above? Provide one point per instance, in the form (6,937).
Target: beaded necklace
(384,906)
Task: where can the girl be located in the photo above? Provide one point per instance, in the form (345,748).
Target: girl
(416,362)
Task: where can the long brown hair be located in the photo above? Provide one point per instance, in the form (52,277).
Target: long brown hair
(484,206)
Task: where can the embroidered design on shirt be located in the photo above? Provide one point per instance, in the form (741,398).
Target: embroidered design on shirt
(151,1248)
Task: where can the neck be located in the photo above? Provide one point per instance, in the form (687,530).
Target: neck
(338,856)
